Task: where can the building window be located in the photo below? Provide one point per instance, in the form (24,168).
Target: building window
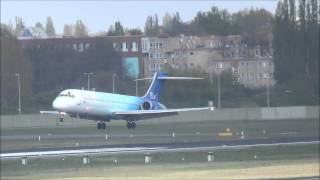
(218,65)
(151,56)
(87,45)
(134,47)
(242,76)
(81,47)
(124,46)
(252,75)
(264,64)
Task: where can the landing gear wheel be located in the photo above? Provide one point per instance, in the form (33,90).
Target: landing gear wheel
(131,125)
(101,125)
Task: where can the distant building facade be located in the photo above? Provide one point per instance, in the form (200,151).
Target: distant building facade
(211,53)
(143,56)
(128,47)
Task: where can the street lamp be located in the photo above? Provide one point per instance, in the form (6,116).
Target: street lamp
(211,71)
(137,84)
(88,74)
(219,71)
(268,95)
(19,87)
(113,79)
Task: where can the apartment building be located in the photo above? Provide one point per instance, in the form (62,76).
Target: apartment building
(210,53)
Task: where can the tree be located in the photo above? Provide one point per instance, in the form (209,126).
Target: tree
(173,25)
(19,26)
(167,21)
(254,25)
(39,25)
(49,27)
(62,67)
(80,29)
(13,61)
(213,22)
(297,45)
(6,31)
(134,31)
(110,31)
(152,27)
(67,30)
(118,29)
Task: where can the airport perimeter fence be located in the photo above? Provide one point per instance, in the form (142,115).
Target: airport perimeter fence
(223,114)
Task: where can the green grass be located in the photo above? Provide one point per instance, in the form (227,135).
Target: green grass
(175,159)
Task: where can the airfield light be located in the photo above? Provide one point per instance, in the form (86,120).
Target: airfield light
(147,158)
(268,96)
(219,87)
(210,157)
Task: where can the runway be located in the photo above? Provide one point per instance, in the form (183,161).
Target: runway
(156,147)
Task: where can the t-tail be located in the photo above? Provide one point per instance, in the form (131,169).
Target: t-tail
(157,84)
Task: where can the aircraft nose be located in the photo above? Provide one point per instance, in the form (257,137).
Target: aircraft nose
(60,104)
(57,104)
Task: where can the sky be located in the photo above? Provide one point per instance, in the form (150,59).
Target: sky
(99,15)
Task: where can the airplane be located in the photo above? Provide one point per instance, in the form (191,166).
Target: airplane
(103,107)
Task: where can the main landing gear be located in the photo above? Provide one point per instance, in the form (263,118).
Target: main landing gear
(131,124)
(101,125)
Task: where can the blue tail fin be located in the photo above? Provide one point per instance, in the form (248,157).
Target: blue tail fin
(156,86)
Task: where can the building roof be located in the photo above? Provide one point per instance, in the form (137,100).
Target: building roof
(33,32)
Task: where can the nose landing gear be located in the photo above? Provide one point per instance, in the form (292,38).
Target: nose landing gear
(61,119)
(131,124)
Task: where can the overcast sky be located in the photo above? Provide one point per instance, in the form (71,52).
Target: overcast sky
(99,15)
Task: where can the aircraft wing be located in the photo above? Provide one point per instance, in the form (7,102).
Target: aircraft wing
(53,112)
(144,114)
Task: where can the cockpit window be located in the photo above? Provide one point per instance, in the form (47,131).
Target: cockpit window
(67,95)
